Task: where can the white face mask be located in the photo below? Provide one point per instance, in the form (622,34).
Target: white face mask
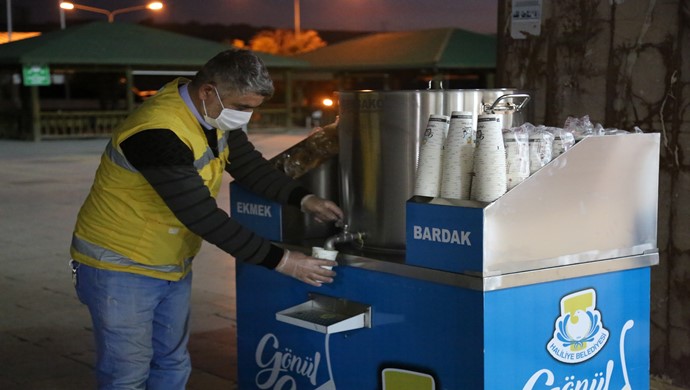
(228,119)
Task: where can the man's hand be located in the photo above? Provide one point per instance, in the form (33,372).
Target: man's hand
(321,209)
(305,268)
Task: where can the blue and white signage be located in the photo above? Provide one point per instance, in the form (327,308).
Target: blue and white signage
(262,216)
(447,238)
(587,333)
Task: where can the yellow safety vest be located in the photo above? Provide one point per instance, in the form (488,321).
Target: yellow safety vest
(124,225)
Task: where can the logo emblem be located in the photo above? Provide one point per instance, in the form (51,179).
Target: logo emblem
(579,333)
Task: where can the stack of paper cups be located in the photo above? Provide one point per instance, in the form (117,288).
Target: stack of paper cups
(428,178)
(458,155)
(517,156)
(489,181)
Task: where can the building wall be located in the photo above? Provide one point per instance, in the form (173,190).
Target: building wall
(624,63)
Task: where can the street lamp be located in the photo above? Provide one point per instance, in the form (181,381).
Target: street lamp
(9,20)
(296,10)
(155,6)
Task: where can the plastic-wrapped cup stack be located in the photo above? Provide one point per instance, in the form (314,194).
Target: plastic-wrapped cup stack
(489,181)
(558,147)
(563,140)
(517,156)
(428,178)
(540,144)
(458,155)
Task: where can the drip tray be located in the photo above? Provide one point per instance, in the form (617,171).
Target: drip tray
(326,314)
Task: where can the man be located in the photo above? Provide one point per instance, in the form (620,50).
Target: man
(151,204)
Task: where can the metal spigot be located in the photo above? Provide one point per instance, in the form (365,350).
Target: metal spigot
(344,236)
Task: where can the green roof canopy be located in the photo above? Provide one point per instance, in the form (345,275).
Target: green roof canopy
(117,44)
(443,48)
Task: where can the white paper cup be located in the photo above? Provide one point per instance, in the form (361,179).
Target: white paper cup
(429,165)
(453,166)
(489,181)
(325,254)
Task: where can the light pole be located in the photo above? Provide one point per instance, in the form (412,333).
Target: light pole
(155,5)
(9,20)
(62,16)
(297,27)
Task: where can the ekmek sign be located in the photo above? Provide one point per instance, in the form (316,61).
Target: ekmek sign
(260,215)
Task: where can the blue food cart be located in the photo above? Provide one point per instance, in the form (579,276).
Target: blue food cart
(547,287)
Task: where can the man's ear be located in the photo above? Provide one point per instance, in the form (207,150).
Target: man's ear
(206,91)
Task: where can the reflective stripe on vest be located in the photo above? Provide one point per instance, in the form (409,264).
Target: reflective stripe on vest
(102,254)
(117,158)
(223,142)
(208,156)
(120,160)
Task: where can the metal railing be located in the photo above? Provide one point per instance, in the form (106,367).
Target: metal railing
(91,123)
(74,124)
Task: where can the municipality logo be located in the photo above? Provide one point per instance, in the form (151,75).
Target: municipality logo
(579,333)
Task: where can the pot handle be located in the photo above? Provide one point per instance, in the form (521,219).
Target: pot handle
(431,85)
(510,107)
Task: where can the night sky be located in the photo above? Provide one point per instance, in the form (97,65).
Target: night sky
(353,15)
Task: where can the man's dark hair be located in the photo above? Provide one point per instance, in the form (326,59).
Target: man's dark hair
(236,71)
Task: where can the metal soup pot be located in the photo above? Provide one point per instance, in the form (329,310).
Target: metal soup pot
(379,136)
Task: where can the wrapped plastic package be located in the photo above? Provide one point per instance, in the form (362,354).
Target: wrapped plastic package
(517,154)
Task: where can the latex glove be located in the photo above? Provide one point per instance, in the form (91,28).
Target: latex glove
(321,209)
(306,268)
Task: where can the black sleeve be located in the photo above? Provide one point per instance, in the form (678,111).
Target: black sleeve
(168,165)
(252,170)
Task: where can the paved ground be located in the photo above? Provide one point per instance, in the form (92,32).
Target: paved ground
(45,335)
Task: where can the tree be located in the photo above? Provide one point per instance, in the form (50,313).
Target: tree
(238,43)
(284,42)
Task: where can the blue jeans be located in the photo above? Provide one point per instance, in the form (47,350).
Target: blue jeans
(141,328)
